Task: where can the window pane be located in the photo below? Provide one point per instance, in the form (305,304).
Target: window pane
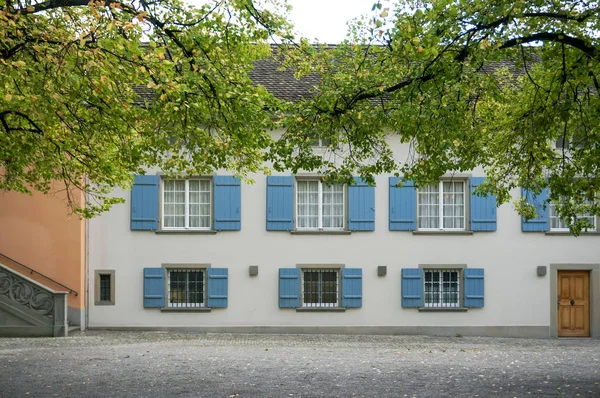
(308,204)
(428,209)
(333,206)
(441,288)
(186,288)
(453,204)
(320,288)
(104,287)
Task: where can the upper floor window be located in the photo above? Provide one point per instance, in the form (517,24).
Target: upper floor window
(187,204)
(558,224)
(320,142)
(442,206)
(570,143)
(319,205)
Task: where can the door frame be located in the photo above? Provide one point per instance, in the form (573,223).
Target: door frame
(594,291)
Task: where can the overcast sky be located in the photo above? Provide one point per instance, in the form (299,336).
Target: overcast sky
(326,20)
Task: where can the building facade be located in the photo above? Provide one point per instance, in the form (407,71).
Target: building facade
(292,254)
(42,250)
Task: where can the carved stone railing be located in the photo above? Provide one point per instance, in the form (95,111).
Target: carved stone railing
(28,295)
(22,291)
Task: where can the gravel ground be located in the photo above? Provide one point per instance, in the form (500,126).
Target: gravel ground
(160,364)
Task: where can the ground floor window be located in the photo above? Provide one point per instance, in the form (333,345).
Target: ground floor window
(442,288)
(186,287)
(320,288)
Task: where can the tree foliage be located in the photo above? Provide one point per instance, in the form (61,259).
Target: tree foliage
(72,72)
(467,83)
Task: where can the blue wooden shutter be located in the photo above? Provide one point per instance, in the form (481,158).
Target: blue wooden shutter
(483,209)
(289,287)
(227,203)
(352,287)
(412,287)
(361,206)
(403,206)
(154,287)
(217,287)
(144,203)
(280,203)
(474,291)
(539,224)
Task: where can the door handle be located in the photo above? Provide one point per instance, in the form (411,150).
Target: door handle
(572,302)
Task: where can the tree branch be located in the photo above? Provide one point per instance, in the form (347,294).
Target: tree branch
(553,37)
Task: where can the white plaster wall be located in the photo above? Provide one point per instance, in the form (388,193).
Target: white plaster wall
(514,294)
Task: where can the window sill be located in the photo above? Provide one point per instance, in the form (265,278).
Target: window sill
(442,232)
(450,309)
(176,309)
(106,302)
(319,232)
(565,233)
(320,309)
(186,231)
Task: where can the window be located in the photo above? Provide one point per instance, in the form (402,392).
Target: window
(186,288)
(187,204)
(577,142)
(320,205)
(320,288)
(558,224)
(104,287)
(442,206)
(442,288)
(319,142)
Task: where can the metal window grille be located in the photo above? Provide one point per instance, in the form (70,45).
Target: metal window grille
(105,287)
(320,288)
(442,288)
(186,288)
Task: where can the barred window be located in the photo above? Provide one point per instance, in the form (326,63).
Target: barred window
(186,288)
(442,288)
(105,287)
(442,206)
(187,204)
(320,287)
(319,205)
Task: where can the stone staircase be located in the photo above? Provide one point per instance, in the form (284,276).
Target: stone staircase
(27,308)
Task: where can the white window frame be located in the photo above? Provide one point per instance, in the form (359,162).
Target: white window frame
(440,303)
(187,205)
(319,304)
(320,208)
(201,304)
(441,207)
(319,142)
(551,217)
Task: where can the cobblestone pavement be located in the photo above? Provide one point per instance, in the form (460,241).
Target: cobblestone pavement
(160,364)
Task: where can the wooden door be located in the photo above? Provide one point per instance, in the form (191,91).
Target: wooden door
(573,303)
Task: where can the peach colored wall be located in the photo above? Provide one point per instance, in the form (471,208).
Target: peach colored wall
(38,231)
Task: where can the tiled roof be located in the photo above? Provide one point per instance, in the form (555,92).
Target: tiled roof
(285,86)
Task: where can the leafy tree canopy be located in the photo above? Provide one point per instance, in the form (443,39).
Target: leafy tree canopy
(71,73)
(466,83)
